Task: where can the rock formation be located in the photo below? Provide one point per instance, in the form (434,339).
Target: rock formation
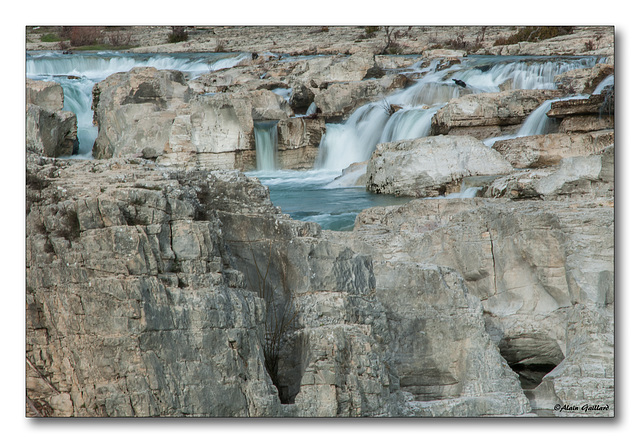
(51,131)
(426,166)
(163,282)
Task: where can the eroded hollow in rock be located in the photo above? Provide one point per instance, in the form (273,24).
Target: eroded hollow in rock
(292,363)
(531,356)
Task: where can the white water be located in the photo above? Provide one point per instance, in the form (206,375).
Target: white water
(537,123)
(315,195)
(266,135)
(356,138)
(78,73)
(603,84)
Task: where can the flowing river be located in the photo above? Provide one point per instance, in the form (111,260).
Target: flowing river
(314,195)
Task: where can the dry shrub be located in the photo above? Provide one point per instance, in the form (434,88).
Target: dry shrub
(84,35)
(120,38)
(534,34)
(178,34)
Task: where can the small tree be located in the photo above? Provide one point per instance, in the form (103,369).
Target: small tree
(84,35)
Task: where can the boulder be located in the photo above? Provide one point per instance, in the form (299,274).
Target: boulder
(336,68)
(351,176)
(51,133)
(340,99)
(583,81)
(430,166)
(539,151)
(47,95)
(593,105)
(298,141)
(580,175)
(488,109)
(301,98)
(134,110)
(575,177)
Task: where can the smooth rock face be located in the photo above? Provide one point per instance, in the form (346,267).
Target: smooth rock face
(426,166)
(544,273)
(436,363)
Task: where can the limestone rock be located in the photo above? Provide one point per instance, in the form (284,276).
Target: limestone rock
(593,105)
(352,175)
(425,166)
(217,131)
(583,81)
(343,98)
(539,151)
(134,110)
(489,109)
(51,133)
(336,364)
(301,97)
(132,310)
(47,95)
(544,273)
(582,41)
(579,174)
(298,141)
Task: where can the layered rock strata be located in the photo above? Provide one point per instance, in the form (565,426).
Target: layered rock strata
(143,299)
(543,271)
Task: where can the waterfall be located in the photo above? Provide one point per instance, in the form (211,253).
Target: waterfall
(487,73)
(78,73)
(77,99)
(266,135)
(537,123)
(603,84)
(355,139)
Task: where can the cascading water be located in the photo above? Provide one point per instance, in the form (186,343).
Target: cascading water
(537,123)
(78,73)
(608,81)
(355,139)
(314,195)
(266,135)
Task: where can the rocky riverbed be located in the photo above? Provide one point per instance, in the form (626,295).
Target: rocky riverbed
(162,280)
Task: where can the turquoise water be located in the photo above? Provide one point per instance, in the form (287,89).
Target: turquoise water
(308,196)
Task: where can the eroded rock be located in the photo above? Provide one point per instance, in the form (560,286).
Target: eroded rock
(427,166)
